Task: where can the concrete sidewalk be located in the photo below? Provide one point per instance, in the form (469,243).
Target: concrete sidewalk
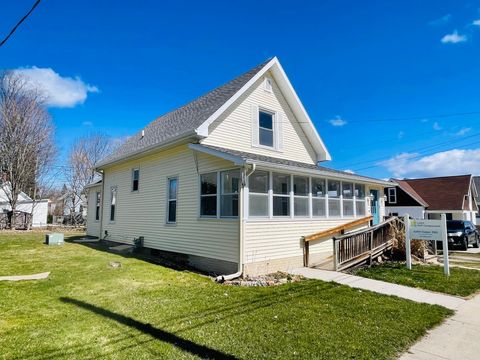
(382,287)
(457,338)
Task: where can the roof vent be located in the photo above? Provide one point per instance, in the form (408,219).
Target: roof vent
(143,134)
(267,85)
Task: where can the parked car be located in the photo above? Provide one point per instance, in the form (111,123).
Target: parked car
(462,233)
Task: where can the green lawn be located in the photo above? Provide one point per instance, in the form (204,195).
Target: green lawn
(87,309)
(461,282)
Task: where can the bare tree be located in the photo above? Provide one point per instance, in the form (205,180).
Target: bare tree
(27,147)
(84,154)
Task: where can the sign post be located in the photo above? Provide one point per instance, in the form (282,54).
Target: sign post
(408,248)
(446,267)
(427,230)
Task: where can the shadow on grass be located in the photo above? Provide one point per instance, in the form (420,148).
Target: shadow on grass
(185,345)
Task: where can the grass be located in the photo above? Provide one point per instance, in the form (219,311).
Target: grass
(86,309)
(461,282)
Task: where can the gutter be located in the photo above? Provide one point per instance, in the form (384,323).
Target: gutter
(241,219)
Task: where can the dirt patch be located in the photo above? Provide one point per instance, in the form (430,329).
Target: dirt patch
(278,278)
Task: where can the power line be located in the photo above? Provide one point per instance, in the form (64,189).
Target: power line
(420,155)
(438,116)
(20,22)
(420,149)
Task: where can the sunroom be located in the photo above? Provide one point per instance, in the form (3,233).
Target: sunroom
(277,189)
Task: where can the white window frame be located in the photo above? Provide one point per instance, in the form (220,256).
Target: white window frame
(307,197)
(354,199)
(218,194)
(169,179)
(221,193)
(392,194)
(113,193)
(289,195)
(133,179)
(98,203)
(208,195)
(274,117)
(264,195)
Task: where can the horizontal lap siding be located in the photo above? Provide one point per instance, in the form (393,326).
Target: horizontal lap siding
(143,213)
(268,240)
(233,130)
(93,226)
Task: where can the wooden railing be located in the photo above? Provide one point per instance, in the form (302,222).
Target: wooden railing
(363,245)
(327,235)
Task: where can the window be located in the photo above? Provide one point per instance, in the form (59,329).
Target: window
(360,200)
(333,198)
(230,185)
(172,200)
(300,193)
(208,194)
(347,194)
(318,197)
(392,195)
(258,193)
(135,179)
(265,131)
(113,203)
(281,195)
(97,205)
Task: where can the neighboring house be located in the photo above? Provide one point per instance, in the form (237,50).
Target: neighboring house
(230,181)
(65,205)
(25,204)
(428,198)
(476,180)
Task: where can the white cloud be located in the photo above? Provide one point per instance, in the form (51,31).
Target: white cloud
(87,123)
(349,171)
(338,121)
(476,22)
(451,162)
(60,91)
(454,38)
(441,21)
(436,126)
(463,131)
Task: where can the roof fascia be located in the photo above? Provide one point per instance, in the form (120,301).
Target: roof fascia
(292,98)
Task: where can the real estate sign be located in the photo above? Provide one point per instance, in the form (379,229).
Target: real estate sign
(427,230)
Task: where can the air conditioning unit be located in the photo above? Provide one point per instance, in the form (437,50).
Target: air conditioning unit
(54,239)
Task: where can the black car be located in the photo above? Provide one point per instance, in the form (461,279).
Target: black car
(462,233)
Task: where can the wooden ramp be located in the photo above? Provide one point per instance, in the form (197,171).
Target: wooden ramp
(355,248)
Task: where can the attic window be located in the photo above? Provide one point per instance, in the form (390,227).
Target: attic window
(267,84)
(392,195)
(265,128)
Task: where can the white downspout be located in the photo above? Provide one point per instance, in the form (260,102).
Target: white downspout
(239,273)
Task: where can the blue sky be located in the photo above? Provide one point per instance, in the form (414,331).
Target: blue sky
(380,79)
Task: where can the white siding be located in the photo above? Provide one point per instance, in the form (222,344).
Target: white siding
(233,129)
(416,212)
(93,226)
(143,213)
(270,240)
(39,213)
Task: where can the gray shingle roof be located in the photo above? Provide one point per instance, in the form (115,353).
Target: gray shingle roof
(183,120)
(291,163)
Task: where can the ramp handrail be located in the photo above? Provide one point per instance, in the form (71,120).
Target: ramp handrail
(327,235)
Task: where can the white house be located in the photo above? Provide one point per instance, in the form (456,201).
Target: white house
(428,198)
(25,204)
(230,181)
